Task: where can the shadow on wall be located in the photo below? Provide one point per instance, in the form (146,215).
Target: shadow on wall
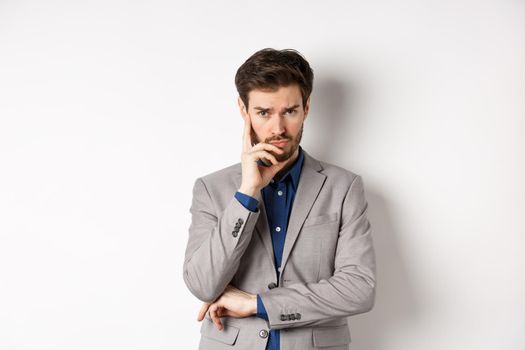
(328,111)
(395,302)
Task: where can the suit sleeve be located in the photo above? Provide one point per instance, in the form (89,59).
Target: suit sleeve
(351,288)
(216,243)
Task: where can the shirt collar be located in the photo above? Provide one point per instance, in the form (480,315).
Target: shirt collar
(295,171)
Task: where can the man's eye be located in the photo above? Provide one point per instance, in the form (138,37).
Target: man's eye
(262,113)
(291,111)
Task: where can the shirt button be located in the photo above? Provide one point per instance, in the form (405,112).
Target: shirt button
(272,181)
(263,333)
(278,229)
(280,193)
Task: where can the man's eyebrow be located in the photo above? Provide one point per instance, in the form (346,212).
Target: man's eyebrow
(268,109)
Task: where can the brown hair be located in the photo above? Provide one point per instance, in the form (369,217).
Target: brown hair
(269,69)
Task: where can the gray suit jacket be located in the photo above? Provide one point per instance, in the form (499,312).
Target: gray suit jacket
(328,263)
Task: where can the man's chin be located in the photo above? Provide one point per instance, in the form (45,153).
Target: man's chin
(281,157)
(285,156)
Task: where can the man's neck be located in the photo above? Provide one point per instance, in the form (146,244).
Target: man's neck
(291,160)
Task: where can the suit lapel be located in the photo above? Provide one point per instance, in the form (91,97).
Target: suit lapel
(263,230)
(310,183)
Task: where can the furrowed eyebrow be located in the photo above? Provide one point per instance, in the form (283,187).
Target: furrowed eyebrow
(269,109)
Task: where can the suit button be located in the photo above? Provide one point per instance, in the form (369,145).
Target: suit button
(240,221)
(263,333)
(237,225)
(292,317)
(235,233)
(272,285)
(283,318)
(297,316)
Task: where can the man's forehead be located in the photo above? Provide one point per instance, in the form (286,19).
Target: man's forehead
(281,98)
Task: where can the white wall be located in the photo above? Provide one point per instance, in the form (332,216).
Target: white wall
(110,109)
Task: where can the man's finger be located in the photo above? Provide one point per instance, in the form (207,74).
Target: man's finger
(265,154)
(214,317)
(203,311)
(226,312)
(247,137)
(263,146)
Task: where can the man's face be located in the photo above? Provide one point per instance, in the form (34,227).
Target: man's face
(277,116)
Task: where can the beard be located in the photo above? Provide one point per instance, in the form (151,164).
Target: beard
(290,148)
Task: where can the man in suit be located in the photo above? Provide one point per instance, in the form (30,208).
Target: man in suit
(280,248)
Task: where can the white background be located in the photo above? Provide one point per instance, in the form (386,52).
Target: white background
(109,110)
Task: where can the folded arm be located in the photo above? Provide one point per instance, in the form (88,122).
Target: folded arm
(351,288)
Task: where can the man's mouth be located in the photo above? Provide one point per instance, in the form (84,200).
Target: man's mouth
(279,143)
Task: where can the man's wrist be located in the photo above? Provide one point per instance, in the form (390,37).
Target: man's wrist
(248,202)
(252,192)
(253,304)
(261,310)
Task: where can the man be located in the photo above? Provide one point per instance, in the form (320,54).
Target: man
(280,248)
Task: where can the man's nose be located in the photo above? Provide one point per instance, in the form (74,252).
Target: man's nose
(277,125)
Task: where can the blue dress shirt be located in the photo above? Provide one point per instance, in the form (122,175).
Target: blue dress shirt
(278,199)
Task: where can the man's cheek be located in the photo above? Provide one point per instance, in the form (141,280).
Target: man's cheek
(255,139)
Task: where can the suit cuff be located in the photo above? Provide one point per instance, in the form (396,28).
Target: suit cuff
(261,310)
(248,202)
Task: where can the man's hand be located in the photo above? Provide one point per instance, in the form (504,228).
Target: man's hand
(255,177)
(233,302)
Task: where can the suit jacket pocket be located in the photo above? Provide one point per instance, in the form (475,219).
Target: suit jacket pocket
(321,219)
(227,336)
(331,336)
(313,242)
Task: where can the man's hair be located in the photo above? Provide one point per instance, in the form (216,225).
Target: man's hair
(268,69)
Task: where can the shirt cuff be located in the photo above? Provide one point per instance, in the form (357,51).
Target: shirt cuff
(248,202)
(261,310)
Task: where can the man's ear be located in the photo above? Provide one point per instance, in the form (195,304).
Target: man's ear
(306,108)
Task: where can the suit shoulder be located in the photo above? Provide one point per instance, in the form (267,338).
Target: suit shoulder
(221,175)
(338,174)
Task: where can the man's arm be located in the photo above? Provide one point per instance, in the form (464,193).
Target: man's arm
(351,289)
(216,243)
